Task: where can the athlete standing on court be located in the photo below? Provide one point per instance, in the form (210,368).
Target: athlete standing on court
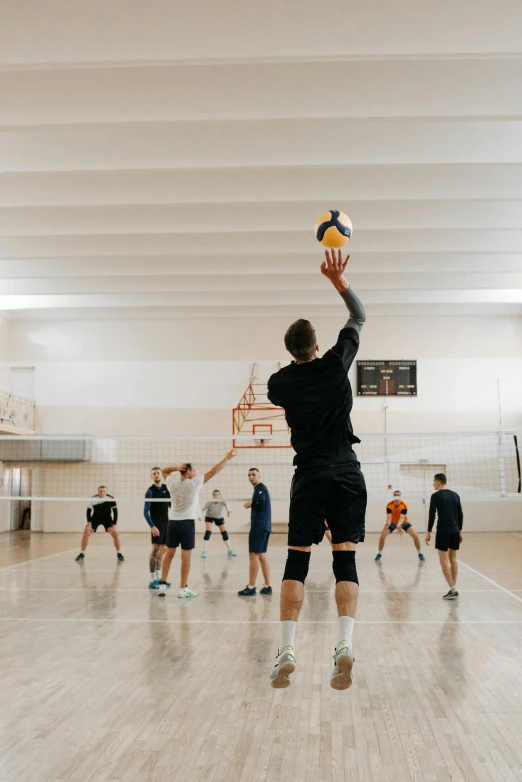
(214,511)
(260,529)
(445,504)
(397,519)
(157,517)
(184,492)
(328,484)
(102,511)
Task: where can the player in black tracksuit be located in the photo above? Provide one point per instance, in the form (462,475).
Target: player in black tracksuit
(102,511)
(445,504)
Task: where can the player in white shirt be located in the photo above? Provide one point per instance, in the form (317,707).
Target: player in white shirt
(184,509)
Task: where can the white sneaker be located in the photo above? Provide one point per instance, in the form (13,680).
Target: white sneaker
(162,590)
(186,592)
(341,677)
(231,553)
(285,665)
(203,554)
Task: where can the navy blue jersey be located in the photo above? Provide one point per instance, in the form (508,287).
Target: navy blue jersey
(156,511)
(261,512)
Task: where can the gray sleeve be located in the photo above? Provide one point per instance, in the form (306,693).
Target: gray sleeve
(355,308)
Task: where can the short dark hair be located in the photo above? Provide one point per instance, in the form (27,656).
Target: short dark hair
(253,469)
(216,491)
(185,468)
(155,468)
(441,478)
(396,492)
(101,487)
(301,340)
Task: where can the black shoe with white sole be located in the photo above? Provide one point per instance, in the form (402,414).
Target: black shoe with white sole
(451,595)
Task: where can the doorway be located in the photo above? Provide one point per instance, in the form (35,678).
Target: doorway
(20,486)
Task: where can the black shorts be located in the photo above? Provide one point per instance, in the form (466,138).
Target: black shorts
(105,524)
(219,522)
(258,541)
(162,537)
(335,494)
(444,541)
(181,533)
(405,526)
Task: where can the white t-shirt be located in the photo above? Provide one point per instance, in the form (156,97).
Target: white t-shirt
(184,497)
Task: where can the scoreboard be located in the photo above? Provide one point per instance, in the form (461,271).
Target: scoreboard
(387,378)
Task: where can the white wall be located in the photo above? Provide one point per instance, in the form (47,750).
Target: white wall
(158,377)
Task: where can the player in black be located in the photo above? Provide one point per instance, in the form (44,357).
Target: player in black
(101,511)
(445,504)
(157,517)
(328,484)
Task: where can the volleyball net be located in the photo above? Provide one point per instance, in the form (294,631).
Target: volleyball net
(478,465)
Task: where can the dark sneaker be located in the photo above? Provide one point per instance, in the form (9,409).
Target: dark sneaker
(247,592)
(121,558)
(378,557)
(80,557)
(154,585)
(451,595)
(265,591)
(422,558)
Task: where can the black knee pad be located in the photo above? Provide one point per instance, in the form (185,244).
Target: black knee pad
(296,568)
(207,535)
(344,566)
(224,535)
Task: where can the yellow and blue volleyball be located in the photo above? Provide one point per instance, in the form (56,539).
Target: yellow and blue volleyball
(333,229)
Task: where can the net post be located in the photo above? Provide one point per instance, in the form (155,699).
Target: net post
(501,465)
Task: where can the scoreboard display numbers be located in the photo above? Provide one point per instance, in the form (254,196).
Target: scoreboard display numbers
(387,378)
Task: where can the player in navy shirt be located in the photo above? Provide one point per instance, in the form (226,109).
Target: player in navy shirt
(157,517)
(260,529)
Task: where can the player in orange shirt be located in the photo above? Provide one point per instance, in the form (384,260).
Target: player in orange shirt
(397,519)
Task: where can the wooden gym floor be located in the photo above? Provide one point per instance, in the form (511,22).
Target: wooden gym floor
(102,680)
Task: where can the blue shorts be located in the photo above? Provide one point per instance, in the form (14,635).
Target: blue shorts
(405,526)
(258,541)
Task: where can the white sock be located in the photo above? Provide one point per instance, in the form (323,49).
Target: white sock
(153,575)
(205,544)
(346,628)
(157,575)
(288,628)
(227,544)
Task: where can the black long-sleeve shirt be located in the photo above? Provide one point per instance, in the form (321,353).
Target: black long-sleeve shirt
(102,509)
(445,504)
(317,397)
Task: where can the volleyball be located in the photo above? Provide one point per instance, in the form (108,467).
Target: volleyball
(333,229)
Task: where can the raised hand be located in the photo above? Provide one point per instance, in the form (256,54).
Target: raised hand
(333,267)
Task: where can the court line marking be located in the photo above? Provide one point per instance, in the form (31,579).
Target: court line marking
(490,580)
(143,590)
(46,556)
(257,622)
